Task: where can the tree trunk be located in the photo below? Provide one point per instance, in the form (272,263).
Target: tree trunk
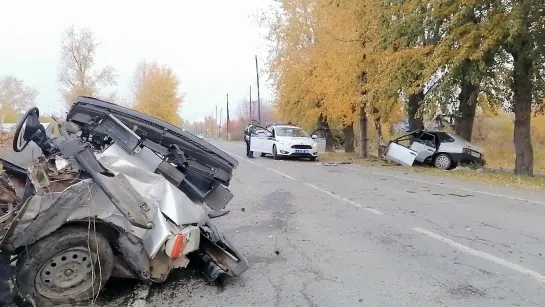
(363,132)
(378,129)
(416,121)
(522,87)
(466,110)
(324,126)
(348,132)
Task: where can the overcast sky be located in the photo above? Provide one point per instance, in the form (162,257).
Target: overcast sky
(209,44)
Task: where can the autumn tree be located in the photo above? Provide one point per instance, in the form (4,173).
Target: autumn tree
(156,92)
(507,37)
(15,98)
(408,42)
(523,38)
(77,74)
(291,65)
(482,45)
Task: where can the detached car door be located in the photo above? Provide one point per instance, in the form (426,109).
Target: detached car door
(319,136)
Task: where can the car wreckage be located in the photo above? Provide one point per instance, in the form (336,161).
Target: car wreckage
(441,149)
(117,194)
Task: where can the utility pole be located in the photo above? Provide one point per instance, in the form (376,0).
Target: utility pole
(258,99)
(250,115)
(227,130)
(219,127)
(216,128)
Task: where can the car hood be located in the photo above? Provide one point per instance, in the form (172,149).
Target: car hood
(296,140)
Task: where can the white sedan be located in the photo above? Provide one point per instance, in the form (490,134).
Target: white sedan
(287,141)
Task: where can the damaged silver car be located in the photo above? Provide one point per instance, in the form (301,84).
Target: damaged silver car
(118,193)
(441,149)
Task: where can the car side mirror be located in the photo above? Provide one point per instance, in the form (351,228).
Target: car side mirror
(268,134)
(314,136)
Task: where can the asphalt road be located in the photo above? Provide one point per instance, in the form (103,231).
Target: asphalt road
(350,235)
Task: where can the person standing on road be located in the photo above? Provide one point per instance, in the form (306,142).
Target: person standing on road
(250,129)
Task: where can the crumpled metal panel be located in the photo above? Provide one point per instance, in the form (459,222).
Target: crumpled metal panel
(43,214)
(140,171)
(154,238)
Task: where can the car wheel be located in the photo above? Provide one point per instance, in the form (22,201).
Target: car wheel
(275,154)
(313,159)
(443,161)
(262,155)
(69,266)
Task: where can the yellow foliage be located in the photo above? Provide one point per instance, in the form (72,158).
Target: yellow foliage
(318,63)
(325,61)
(156,92)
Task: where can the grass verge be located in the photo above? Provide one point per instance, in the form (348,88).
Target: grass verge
(485,176)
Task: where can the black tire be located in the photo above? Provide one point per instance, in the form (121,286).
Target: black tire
(262,155)
(313,159)
(275,154)
(42,257)
(443,161)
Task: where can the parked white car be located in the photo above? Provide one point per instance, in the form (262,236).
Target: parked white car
(287,141)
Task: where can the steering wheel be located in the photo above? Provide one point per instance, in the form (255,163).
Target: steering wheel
(21,139)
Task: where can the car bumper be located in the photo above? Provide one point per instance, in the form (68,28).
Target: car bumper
(223,254)
(287,151)
(463,158)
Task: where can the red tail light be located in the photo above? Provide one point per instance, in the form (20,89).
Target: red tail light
(467,151)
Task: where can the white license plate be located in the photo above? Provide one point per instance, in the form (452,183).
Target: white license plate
(475,154)
(301,151)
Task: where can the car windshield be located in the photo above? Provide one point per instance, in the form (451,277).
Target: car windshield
(291,131)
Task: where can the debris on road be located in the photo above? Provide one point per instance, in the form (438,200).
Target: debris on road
(335,163)
(215,214)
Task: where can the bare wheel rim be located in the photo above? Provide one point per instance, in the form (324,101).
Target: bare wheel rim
(68,273)
(442,162)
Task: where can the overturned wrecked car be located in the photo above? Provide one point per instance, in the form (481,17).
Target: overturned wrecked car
(118,193)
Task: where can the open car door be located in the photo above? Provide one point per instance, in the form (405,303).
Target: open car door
(319,136)
(400,154)
(399,150)
(259,139)
(425,146)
